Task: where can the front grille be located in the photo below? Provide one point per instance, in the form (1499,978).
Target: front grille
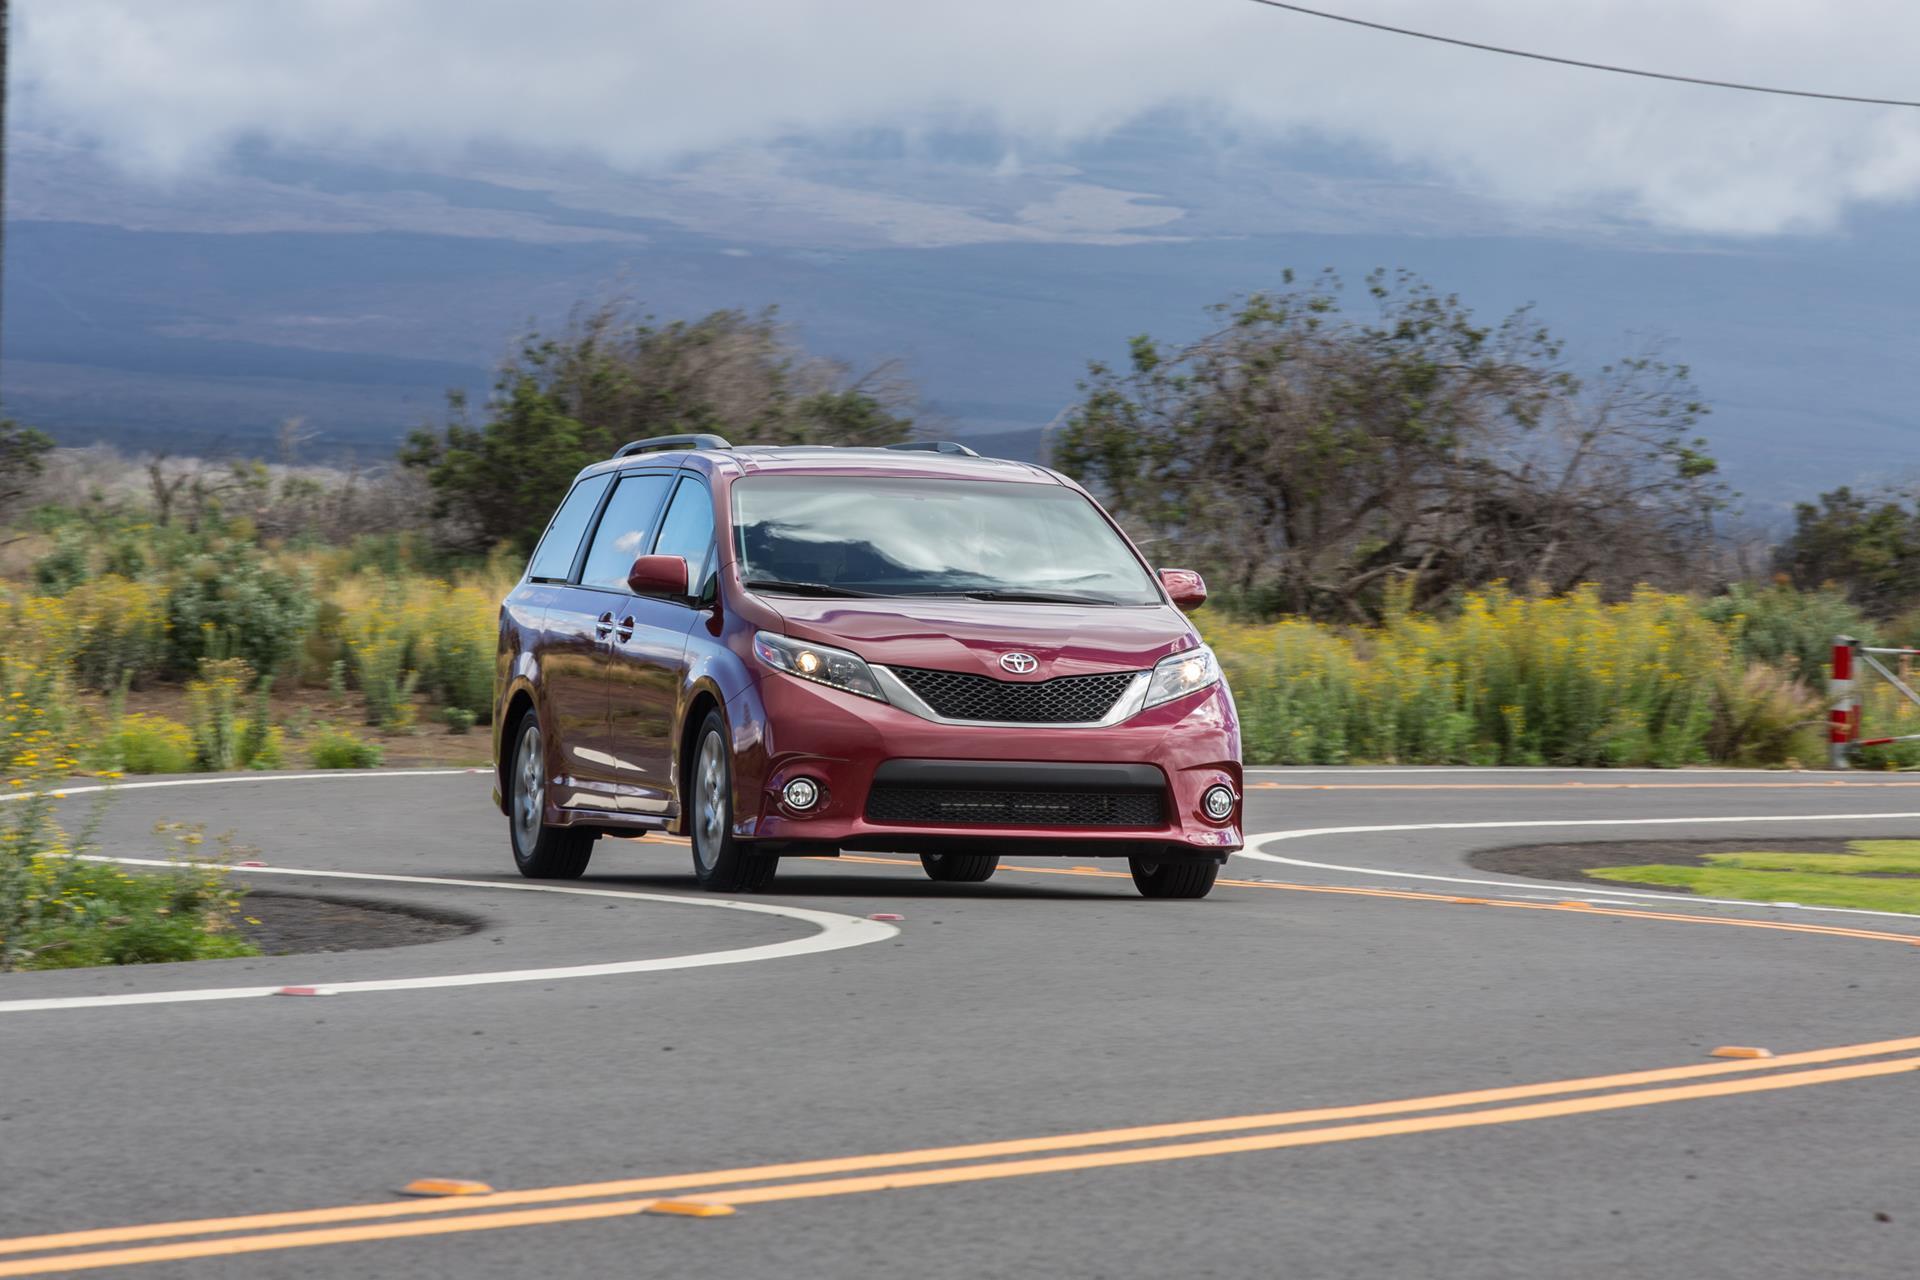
(957,806)
(1062,700)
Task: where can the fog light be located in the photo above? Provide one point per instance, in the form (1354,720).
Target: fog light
(801,793)
(1218,803)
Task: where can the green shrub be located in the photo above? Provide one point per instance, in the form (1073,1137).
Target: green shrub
(323,649)
(262,744)
(1565,680)
(459,719)
(75,914)
(386,686)
(458,649)
(230,603)
(1789,629)
(151,744)
(1763,716)
(119,632)
(125,557)
(63,568)
(338,749)
(215,699)
(57,911)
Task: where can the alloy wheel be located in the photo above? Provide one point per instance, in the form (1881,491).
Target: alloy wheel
(710,800)
(530,789)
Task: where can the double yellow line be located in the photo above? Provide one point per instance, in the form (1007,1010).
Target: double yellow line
(937,1166)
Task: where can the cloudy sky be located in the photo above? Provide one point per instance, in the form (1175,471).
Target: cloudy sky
(224,213)
(167,91)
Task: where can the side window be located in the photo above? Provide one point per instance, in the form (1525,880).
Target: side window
(687,532)
(553,558)
(624,530)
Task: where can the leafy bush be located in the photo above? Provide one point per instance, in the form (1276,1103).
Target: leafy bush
(36,634)
(459,719)
(119,632)
(215,699)
(39,725)
(385,684)
(1789,629)
(262,743)
(231,602)
(458,647)
(1763,716)
(410,633)
(339,749)
(151,744)
(63,568)
(57,912)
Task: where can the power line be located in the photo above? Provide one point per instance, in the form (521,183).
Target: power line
(1575,62)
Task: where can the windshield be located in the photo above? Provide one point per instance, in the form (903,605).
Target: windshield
(876,535)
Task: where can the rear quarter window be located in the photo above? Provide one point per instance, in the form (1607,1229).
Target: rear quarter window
(553,558)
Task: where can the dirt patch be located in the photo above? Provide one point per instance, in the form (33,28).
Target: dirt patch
(285,924)
(1572,861)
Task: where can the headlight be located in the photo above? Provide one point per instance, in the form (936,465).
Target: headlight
(1181,674)
(818,663)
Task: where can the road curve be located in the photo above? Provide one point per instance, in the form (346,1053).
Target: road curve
(1361,1057)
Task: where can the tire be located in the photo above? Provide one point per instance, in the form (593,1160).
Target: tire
(960,868)
(540,851)
(722,862)
(1186,878)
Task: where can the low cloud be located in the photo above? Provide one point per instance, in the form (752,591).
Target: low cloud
(168,90)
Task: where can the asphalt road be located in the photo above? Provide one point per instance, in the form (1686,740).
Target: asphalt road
(1322,1070)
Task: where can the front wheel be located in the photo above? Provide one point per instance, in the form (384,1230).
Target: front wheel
(1187,878)
(540,851)
(960,868)
(720,861)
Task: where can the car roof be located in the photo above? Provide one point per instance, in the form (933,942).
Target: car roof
(835,460)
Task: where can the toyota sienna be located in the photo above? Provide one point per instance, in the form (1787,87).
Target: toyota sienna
(799,651)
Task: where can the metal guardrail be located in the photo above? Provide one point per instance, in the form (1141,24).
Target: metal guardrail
(1843,714)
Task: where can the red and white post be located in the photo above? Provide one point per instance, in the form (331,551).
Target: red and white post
(1843,713)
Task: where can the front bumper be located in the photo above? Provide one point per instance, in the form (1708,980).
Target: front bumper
(785,728)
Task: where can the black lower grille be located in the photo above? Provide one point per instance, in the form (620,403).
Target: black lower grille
(956,806)
(1062,700)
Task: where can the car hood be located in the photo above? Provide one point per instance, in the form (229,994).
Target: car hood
(971,635)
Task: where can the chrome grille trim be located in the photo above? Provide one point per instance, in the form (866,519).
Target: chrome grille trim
(1127,705)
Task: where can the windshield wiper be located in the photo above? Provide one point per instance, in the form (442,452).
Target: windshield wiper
(806,588)
(1029,597)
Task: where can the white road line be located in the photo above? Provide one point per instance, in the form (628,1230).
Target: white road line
(836,932)
(1283,771)
(1256,849)
(226,779)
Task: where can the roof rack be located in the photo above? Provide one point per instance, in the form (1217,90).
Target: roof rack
(933,446)
(657,444)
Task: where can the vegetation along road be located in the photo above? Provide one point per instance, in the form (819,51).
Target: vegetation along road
(1372,1052)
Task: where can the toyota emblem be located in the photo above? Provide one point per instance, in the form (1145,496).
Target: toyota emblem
(1019,663)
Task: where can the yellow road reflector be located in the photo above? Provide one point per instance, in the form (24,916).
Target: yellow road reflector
(1740,1051)
(446,1187)
(690,1208)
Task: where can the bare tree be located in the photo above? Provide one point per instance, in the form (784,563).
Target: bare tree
(1311,459)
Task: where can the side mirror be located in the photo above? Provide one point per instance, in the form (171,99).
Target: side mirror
(1188,589)
(658,576)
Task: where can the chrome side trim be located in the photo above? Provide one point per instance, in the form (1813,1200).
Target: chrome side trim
(1129,704)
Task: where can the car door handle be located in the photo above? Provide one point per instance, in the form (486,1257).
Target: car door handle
(603,626)
(626,629)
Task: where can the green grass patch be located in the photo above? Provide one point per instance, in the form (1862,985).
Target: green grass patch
(1881,875)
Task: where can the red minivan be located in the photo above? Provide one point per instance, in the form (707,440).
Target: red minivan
(795,651)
